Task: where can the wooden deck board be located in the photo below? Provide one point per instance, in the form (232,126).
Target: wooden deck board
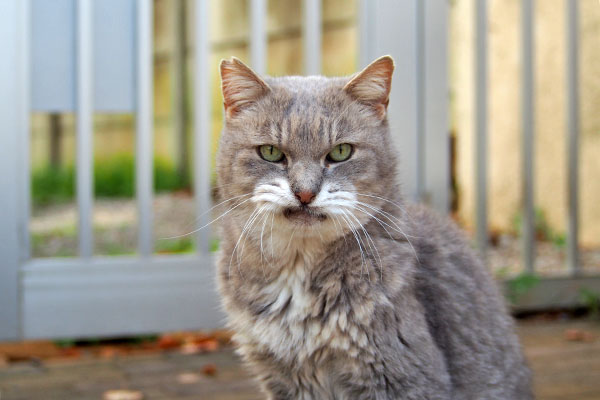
(563,370)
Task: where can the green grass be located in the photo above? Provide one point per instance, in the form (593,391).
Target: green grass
(543,230)
(520,285)
(113,177)
(179,245)
(183,245)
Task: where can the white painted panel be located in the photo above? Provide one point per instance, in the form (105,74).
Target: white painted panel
(119,296)
(312,37)
(145,127)
(53,68)
(436,106)
(528,132)
(202,124)
(85,152)
(114,55)
(573,132)
(258,36)
(394,29)
(10,114)
(481,127)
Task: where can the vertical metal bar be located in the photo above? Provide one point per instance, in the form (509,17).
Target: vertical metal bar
(258,36)
(312,37)
(144,126)
(202,125)
(24,169)
(436,102)
(11,79)
(572,14)
(85,153)
(481,101)
(180,85)
(528,129)
(420,45)
(394,29)
(366,32)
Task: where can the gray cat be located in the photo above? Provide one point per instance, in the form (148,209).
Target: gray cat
(334,286)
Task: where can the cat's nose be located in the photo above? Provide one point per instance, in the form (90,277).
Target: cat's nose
(305,196)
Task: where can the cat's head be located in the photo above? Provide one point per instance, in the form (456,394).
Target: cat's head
(311,155)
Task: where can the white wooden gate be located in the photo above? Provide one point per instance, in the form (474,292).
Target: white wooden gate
(87,56)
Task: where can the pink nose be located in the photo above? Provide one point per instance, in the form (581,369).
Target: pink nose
(305,197)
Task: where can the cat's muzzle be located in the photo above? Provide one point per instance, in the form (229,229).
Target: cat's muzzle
(303,214)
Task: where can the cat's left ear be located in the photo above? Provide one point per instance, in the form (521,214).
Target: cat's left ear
(372,85)
(240,85)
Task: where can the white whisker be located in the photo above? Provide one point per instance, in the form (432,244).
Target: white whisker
(358,241)
(210,223)
(246,226)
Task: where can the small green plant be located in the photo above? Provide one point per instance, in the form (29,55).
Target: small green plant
(64,343)
(52,185)
(520,285)
(590,299)
(214,244)
(502,273)
(113,177)
(180,245)
(543,230)
(559,240)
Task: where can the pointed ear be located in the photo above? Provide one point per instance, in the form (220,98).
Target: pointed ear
(372,85)
(240,85)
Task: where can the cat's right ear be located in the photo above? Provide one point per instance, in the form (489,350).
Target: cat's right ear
(240,85)
(372,85)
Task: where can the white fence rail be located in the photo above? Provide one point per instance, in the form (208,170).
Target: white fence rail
(90,55)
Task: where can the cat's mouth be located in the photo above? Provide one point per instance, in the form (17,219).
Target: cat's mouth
(303,214)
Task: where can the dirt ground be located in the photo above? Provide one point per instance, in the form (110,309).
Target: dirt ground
(564,355)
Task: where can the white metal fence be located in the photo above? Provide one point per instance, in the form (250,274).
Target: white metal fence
(87,56)
(549,292)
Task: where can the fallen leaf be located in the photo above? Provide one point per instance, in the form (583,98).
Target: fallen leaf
(168,342)
(578,335)
(190,348)
(122,395)
(209,369)
(188,377)
(209,345)
(108,352)
(71,352)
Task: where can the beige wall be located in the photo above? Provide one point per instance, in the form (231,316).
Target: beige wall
(550,113)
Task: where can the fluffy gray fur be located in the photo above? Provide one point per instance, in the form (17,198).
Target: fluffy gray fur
(357,295)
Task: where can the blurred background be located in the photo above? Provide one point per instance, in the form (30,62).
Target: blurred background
(53,225)
(494,111)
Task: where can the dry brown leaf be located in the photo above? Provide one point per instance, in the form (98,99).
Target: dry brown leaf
(123,395)
(187,378)
(190,348)
(209,345)
(168,342)
(578,335)
(209,369)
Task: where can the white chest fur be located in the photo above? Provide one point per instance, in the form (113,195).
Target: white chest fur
(291,326)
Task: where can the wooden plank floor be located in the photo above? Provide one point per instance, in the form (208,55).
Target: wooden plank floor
(563,369)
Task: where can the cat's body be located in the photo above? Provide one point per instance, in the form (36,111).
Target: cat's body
(334,287)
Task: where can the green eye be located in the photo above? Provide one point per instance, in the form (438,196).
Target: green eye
(270,153)
(341,152)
